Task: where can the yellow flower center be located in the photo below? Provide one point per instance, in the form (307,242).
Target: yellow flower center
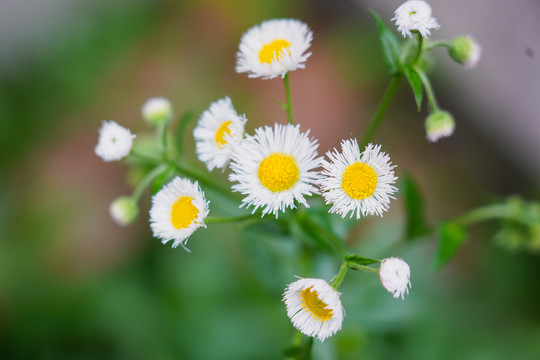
(412,13)
(273,50)
(311,303)
(278,172)
(359,181)
(183,212)
(220,134)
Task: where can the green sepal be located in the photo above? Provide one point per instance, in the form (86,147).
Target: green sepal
(360,260)
(450,237)
(416,85)
(415,222)
(390,45)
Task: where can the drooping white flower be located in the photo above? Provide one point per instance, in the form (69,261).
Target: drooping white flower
(157,110)
(439,124)
(219,132)
(178,209)
(274,168)
(274,48)
(114,141)
(124,210)
(358,182)
(466,51)
(415,16)
(395,276)
(314,307)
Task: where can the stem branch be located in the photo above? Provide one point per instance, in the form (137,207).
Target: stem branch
(288,97)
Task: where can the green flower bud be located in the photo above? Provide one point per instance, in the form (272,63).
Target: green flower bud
(439,124)
(465,51)
(124,210)
(157,111)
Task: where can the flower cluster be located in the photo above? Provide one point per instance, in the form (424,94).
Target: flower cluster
(277,168)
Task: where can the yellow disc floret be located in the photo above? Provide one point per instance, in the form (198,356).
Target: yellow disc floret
(220,134)
(278,172)
(311,303)
(359,181)
(183,212)
(277,47)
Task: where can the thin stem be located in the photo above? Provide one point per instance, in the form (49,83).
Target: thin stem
(490,212)
(429,89)
(381,110)
(419,49)
(363,267)
(162,138)
(435,44)
(180,130)
(147,180)
(288,97)
(323,234)
(336,280)
(221,220)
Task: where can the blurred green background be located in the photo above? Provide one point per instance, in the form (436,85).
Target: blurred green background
(74,285)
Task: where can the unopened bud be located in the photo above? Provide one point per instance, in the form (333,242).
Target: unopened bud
(157,111)
(465,51)
(439,124)
(124,210)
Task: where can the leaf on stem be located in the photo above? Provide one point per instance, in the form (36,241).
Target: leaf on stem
(360,260)
(416,225)
(450,237)
(390,45)
(416,85)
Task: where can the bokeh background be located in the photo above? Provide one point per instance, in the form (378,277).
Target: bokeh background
(74,285)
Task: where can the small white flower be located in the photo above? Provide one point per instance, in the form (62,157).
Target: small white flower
(178,209)
(274,48)
(275,167)
(114,141)
(314,307)
(124,210)
(358,182)
(219,132)
(395,276)
(157,110)
(415,16)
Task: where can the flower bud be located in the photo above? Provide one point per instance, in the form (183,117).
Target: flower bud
(465,51)
(395,276)
(124,210)
(439,124)
(157,111)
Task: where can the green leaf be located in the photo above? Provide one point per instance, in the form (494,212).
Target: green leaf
(416,85)
(390,45)
(360,260)
(450,237)
(414,205)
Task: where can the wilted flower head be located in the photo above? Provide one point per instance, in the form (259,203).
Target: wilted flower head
(395,276)
(415,16)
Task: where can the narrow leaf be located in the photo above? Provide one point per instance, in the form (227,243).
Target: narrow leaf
(390,45)
(414,205)
(360,260)
(416,85)
(450,237)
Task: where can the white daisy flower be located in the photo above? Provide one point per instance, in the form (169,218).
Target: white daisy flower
(314,307)
(115,141)
(358,182)
(219,132)
(124,210)
(466,51)
(275,167)
(395,276)
(274,48)
(178,209)
(157,110)
(415,16)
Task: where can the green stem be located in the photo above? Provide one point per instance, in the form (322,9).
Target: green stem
(180,130)
(381,110)
(485,213)
(288,97)
(363,267)
(419,49)
(336,280)
(429,89)
(323,234)
(203,178)
(435,44)
(225,219)
(147,180)
(162,138)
